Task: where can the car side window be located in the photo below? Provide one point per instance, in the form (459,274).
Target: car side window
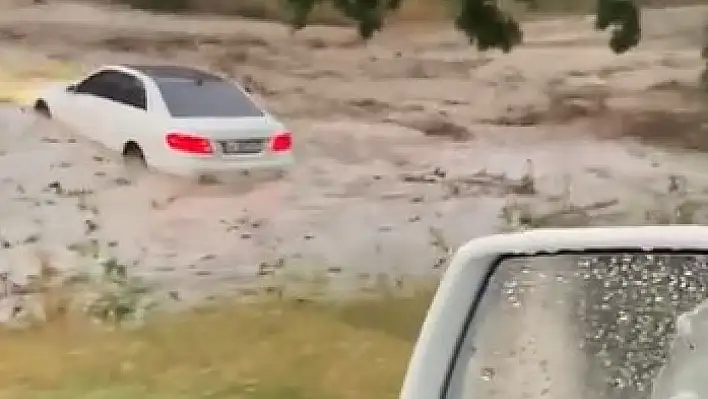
(115,86)
(130,91)
(97,85)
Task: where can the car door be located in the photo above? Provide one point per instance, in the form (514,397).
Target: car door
(126,113)
(87,107)
(109,107)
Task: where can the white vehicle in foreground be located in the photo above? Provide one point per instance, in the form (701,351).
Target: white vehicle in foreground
(569,313)
(175,119)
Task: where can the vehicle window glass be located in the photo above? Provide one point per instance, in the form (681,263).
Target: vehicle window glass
(619,326)
(130,91)
(116,86)
(186,98)
(99,84)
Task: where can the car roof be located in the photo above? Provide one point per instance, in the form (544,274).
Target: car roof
(157,72)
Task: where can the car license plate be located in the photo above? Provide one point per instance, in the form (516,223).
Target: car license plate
(242,146)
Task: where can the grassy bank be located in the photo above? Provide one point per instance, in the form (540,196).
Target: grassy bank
(275,349)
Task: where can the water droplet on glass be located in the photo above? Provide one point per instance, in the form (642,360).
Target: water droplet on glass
(623,306)
(488,374)
(623,317)
(510,284)
(618,383)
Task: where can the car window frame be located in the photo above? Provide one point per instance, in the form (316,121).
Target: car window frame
(115,87)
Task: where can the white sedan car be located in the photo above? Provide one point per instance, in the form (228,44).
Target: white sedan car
(174,119)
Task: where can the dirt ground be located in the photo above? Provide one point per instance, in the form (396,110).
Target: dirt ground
(407,146)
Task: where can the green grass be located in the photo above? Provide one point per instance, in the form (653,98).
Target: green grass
(275,349)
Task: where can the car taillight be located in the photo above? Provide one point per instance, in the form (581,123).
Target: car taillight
(282,141)
(188,143)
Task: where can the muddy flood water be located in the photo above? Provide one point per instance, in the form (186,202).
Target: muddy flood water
(349,223)
(387,182)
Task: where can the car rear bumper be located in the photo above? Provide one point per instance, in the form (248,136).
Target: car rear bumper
(194,167)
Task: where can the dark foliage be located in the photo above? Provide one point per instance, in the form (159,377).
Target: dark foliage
(482,21)
(623,17)
(298,11)
(487,26)
(159,5)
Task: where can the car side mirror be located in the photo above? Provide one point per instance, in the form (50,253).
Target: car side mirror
(563,297)
(71,88)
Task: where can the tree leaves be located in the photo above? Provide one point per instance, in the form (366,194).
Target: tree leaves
(623,17)
(369,14)
(487,25)
(394,4)
(483,22)
(298,12)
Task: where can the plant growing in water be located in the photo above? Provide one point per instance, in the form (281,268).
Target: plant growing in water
(118,298)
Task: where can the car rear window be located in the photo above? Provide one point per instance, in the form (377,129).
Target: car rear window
(186,98)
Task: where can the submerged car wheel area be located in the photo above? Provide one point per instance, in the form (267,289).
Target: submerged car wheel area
(133,157)
(42,109)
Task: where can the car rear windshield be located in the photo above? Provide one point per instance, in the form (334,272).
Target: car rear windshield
(186,98)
